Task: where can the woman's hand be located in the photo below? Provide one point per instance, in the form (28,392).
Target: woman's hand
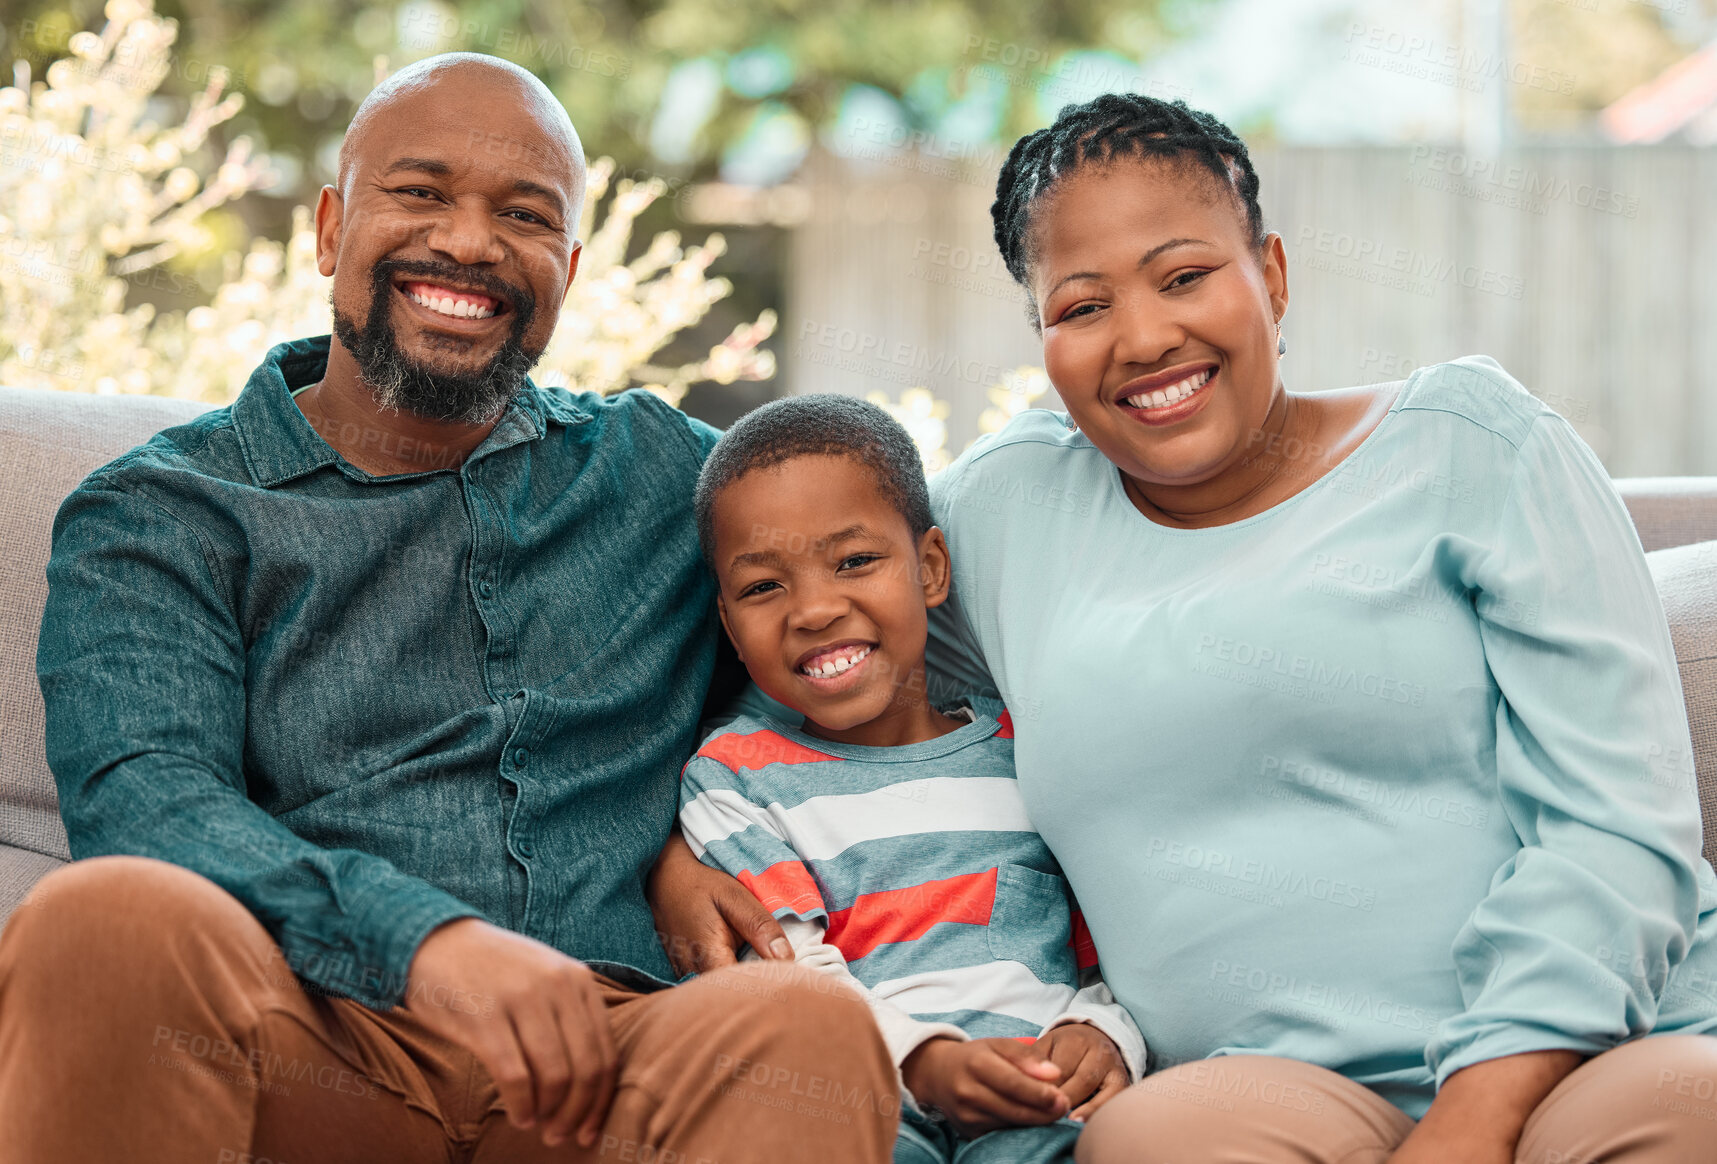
(1092,1070)
(985,1084)
(703,916)
(1479,1111)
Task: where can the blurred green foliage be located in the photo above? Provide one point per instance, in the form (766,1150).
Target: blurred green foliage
(305,66)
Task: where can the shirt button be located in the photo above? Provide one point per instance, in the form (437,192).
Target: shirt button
(485,589)
(525,847)
(520,755)
(518,695)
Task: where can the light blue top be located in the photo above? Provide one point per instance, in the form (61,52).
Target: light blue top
(1393,777)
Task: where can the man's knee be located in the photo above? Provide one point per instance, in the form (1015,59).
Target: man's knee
(93,910)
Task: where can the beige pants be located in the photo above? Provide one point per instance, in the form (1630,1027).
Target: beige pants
(1650,1100)
(146,1017)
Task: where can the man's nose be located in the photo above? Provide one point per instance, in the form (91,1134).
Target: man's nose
(465,233)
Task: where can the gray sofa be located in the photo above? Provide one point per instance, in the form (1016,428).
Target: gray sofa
(50,440)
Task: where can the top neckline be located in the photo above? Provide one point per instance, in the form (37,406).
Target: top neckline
(1118,485)
(981,727)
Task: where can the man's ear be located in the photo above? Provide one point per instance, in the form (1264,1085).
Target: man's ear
(721,609)
(935,570)
(572,264)
(330,213)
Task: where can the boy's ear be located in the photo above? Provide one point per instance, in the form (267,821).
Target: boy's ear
(934,568)
(721,609)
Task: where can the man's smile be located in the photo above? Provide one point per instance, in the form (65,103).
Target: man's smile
(453,308)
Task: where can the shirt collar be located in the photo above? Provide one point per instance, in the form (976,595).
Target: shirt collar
(279,444)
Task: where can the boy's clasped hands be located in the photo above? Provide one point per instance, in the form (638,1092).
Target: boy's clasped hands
(983,1084)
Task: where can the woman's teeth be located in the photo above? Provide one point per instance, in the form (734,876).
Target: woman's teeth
(1173,394)
(834,664)
(447,305)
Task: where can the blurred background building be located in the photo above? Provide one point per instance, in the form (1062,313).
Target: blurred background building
(1532,179)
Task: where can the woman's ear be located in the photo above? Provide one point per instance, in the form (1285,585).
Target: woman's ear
(935,571)
(1276,273)
(721,609)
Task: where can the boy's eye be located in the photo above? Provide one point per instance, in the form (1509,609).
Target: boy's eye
(857,560)
(758,588)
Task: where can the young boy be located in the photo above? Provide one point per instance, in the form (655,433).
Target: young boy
(888,836)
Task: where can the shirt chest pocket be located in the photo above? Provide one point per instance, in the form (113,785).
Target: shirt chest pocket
(1031,923)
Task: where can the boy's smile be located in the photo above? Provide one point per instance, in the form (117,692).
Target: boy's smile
(824,592)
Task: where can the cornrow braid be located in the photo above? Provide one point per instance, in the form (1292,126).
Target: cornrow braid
(1113,125)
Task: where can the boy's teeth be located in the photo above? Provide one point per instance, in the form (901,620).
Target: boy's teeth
(1170,395)
(835,665)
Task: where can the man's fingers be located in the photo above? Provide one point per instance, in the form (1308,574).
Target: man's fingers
(506,1064)
(609,1071)
(547,1057)
(754,924)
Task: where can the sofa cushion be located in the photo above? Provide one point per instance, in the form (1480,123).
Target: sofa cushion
(49,441)
(1671,511)
(1686,578)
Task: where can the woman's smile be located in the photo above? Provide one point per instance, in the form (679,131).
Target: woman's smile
(1183,397)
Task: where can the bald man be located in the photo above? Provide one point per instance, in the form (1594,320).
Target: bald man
(366,700)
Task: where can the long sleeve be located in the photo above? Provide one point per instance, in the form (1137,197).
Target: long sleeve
(1588,730)
(142,668)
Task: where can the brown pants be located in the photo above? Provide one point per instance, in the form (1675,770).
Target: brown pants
(1646,1102)
(146,1016)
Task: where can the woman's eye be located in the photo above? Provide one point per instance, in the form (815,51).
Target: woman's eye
(858,560)
(1187,278)
(1080,309)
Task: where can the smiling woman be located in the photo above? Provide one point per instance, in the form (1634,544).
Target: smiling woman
(1363,681)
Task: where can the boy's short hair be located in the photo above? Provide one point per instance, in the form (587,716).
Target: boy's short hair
(817,425)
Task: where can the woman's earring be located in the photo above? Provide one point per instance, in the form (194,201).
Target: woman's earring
(1281,344)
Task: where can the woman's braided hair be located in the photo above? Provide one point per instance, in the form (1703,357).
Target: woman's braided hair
(1102,129)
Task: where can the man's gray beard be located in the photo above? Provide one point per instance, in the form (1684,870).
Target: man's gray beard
(400,384)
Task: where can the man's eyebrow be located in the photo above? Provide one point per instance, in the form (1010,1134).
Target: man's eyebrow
(771,558)
(1144,261)
(441,169)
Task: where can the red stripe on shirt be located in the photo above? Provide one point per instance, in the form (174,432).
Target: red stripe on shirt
(1007,722)
(753,751)
(784,885)
(1084,949)
(901,915)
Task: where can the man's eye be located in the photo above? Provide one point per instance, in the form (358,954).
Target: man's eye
(528,215)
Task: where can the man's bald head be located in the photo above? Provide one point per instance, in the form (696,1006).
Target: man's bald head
(473,76)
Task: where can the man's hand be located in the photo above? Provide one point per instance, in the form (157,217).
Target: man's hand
(1092,1070)
(985,1084)
(703,916)
(533,1017)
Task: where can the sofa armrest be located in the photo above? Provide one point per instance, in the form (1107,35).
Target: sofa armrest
(1671,511)
(20,869)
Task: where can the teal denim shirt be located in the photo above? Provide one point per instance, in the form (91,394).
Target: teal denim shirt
(365,705)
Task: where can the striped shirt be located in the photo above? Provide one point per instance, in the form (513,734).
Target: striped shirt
(919,863)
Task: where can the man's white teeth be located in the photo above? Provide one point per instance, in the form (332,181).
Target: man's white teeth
(1173,394)
(457,308)
(836,665)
